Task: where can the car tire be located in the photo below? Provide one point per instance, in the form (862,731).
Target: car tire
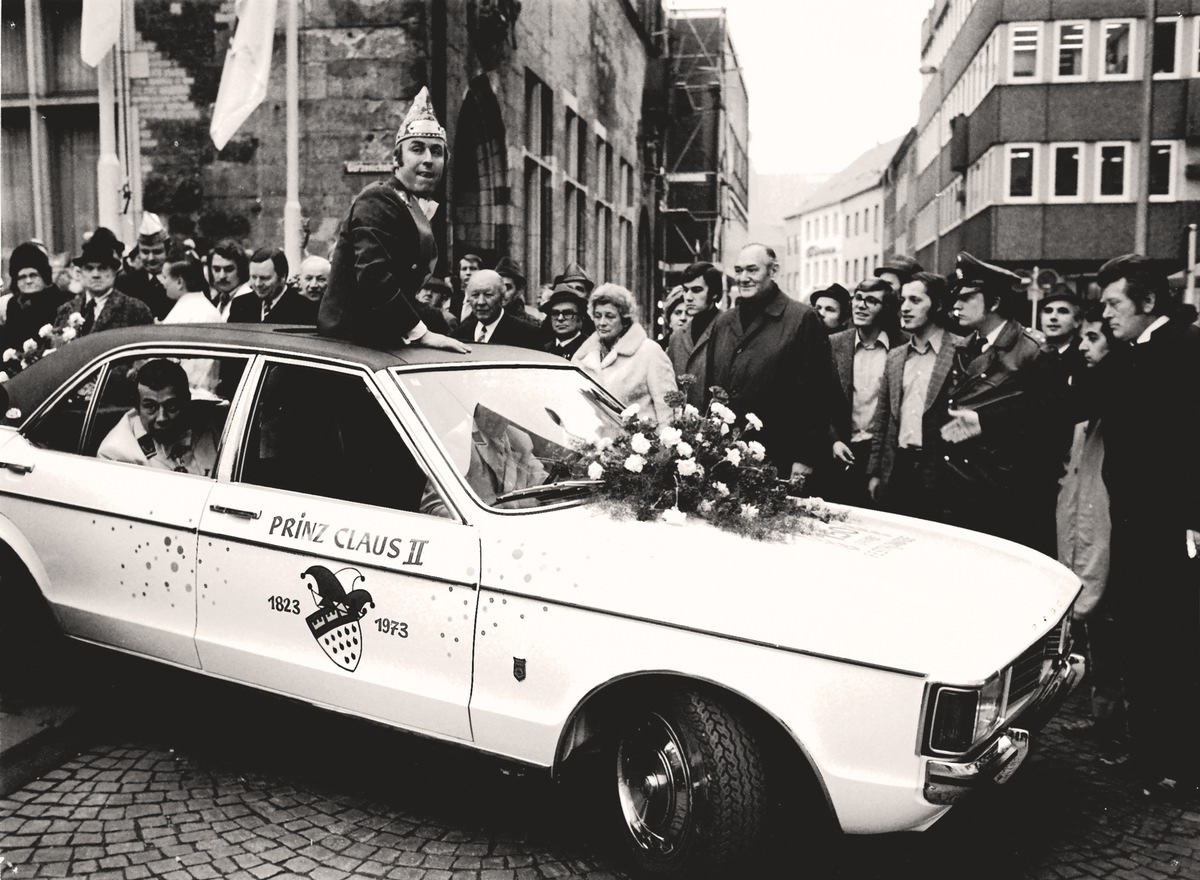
(691,785)
(31,644)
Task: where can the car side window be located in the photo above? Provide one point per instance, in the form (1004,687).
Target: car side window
(322,432)
(61,427)
(164,411)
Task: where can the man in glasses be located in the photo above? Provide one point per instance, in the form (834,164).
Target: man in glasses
(164,430)
(859,358)
(565,308)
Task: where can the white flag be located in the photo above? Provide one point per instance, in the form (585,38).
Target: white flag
(247,69)
(100,29)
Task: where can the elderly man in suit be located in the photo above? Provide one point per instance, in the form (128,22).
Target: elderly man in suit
(859,356)
(1150,410)
(703,286)
(771,355)
(273,302)
(488,321)
(906,440)
(566,310)
(101,305)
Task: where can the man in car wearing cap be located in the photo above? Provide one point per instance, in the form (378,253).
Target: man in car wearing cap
(1150,409)
(101,306)
(703,286)
(898,270)
(385,249)
(141,282)
(565,310)
(1004,389)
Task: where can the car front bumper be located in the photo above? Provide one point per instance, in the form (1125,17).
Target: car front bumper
(947,781)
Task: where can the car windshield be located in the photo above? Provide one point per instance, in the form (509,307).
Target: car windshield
(512,431)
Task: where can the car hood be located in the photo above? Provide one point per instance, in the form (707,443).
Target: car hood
(877,589)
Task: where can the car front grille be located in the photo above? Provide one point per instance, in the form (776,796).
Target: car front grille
(1034,665)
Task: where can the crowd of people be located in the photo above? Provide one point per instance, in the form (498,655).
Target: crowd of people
(915,393)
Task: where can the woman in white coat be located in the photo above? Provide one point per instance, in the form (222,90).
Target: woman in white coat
(622,358)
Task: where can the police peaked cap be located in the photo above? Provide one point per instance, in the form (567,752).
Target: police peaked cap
(970,272)
(902,266)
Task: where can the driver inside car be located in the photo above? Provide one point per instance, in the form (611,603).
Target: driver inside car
(165,429)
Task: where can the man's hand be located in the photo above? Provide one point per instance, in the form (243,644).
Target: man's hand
(440,342)
(873,485)
(843,453)
(963,425)
(800,471)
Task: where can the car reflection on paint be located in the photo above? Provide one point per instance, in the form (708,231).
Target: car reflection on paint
(391,534)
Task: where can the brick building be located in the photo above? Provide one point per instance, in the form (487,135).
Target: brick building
(553,133)
(1029,135)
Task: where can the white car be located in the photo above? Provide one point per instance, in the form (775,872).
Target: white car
(339,529)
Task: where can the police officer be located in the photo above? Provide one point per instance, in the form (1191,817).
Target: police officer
(1004,387)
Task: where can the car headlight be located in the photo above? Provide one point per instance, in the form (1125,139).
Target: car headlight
(961,717)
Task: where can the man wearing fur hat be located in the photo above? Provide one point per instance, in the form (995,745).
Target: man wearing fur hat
(386,250)
(101,305)
(141,282)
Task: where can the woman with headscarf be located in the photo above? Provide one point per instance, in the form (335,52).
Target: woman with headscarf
(622,358)
(34,300)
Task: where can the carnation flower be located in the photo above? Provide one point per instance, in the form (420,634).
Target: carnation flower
(29,347)
(721,488)
(629,412)
(604,443)
(757,451)
(49,351)
(639,444)
(45,330)
(595,471)
(684,449)
(749,511)
(726,414)
(670,436)
(733,457)
(13,413)
(75,320)
(689,410)
(686,467)
(10,354)
(635,463)
(706,506)
(674,516)
(724,429)
(68,333)
(3,377)
(754,421)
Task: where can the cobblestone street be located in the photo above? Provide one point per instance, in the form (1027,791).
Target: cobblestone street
(207,780)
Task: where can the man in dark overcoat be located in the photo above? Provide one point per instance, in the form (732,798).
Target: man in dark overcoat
(1004,390)
(385,249)
(703,286)
(1149,405)
(771,356)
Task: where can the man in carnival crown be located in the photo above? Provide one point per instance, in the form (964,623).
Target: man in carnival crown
(386,250)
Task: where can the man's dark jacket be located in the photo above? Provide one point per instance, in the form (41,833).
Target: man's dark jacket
(140,284)
(779,369)
(567,351)
(119,311)
(290,308)
(385,250)
(510,331)
(28,313)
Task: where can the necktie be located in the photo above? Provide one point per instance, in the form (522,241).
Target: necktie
(89,316)
(222,302)
(975,347)
(266,310)
(481,333)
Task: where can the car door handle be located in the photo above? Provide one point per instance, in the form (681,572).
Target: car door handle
(233,511)
(15,467)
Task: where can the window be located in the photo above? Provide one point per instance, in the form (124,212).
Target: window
(1117,37)
(50,126)
(1066,168)
(1019,172)
(575,201)
(1069,58)
(1023,62)
(847,235)
(1162,170)
(604,190)
(353,452)
(539,198)
(1112,172)
(1166,47)
(1195,45)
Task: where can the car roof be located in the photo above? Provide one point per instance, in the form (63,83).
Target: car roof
(32,385)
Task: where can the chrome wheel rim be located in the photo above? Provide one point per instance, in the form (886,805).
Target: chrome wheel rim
(655,787)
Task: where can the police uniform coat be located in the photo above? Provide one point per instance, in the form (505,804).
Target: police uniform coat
(994,481)
(119,311)
(385,251)
(779,369)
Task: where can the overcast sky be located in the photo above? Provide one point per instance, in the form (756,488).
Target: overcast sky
(827,80)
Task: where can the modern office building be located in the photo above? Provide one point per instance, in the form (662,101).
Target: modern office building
(1031,135)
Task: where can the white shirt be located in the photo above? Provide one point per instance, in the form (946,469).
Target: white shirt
(1145,337)
(483,332)
(193,308)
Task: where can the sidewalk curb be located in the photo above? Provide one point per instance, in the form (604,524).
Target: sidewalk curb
(32,756)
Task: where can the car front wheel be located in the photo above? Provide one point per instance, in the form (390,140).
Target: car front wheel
(691,785)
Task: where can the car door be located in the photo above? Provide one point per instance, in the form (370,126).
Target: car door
(319,577)
(117,538)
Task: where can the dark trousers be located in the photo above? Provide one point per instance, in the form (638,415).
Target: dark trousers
(844,484)
(912,488)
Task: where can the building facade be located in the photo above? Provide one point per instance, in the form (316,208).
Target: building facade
(554,133)
(1030,135)
(837,234)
